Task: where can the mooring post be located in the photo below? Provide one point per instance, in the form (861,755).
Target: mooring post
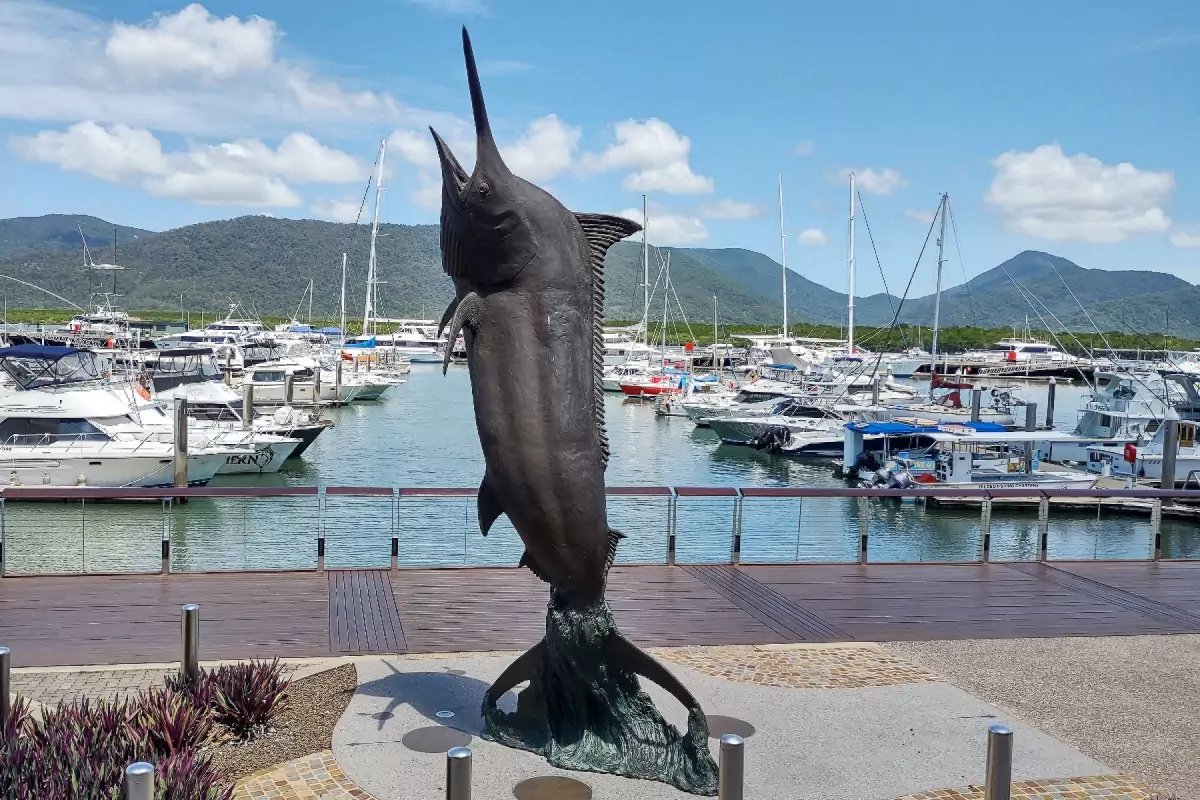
(1050,404)
(180,455)
(985,528)
(976,402)
(458,773)
(337,380)
(731,773)
(139,781)
(189,659)
(316,386)
(1030,425)
(247,404)
(998,783)
(289,386)
(5,685)
(1170,451)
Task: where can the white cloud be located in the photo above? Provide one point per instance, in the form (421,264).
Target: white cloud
(805,148)
(344,210)
(921,215)
(667,228)
(883,182)
(656,154)
(1050,195)
(546,150)
(463,7)
(244,172)
(428,194)
(813,237)
(1185,240)
(729,209)
(192,42)
(188,72)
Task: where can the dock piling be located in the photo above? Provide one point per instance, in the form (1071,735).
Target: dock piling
(731,771)
(1050,403)
(180,454)
(1170,451)
(976,401)
(998,783)
(247,404)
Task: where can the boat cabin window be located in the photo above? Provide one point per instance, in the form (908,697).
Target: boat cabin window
(32,367)
(754,397)
(271,376)
(27,430)
(1187,434)
(1105,421)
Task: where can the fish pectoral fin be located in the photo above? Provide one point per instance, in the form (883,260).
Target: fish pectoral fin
(466,315)
(488,506)
(527,561)
(614,539)
(630,658)
(447,315)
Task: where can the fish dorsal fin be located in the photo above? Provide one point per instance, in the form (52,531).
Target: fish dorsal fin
(602,232)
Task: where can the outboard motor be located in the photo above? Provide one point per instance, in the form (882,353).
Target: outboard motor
(899,480)
(772,439)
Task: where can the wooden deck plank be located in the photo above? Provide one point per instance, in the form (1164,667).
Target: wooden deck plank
(362,613)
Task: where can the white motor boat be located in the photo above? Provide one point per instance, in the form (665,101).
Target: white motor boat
(272,379)
(62,423)
(1138,460)
(1124,409)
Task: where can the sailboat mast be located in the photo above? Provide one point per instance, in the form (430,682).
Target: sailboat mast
(850,337)
(369,311)
(666,294)
(310,294)
(343,308)
(645,274)
(937,300)
(783,255)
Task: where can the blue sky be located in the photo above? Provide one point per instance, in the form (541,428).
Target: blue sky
(1069,127)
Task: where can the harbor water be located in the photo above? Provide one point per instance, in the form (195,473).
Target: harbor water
(422,435)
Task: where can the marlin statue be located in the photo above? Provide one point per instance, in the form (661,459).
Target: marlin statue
(529,301)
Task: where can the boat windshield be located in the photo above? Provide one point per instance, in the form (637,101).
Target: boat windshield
(32,366)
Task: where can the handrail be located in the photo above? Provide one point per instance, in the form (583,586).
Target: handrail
(134,493)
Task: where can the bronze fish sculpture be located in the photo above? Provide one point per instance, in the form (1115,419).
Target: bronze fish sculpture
(529,301)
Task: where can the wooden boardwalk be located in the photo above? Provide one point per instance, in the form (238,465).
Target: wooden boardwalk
(74,620)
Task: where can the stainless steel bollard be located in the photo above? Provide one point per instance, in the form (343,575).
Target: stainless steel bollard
(139,781)
(732,772)
(458,773)
(189,662)
(5,685)
(998,784)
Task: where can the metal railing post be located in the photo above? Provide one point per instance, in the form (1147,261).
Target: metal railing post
(985,528)
(189,660)
(731,773)
(5,685)
(166,536)
(395,552)
(998,783)
(1043,526)
(735,555)
(139,781)
(672,517)
(864,527)
(458,773)
(1156,529)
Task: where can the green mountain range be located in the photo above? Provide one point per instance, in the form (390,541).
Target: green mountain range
(265,264)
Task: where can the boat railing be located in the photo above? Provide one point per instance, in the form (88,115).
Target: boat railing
(119,530)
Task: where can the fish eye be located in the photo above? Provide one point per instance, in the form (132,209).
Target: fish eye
(484,189)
